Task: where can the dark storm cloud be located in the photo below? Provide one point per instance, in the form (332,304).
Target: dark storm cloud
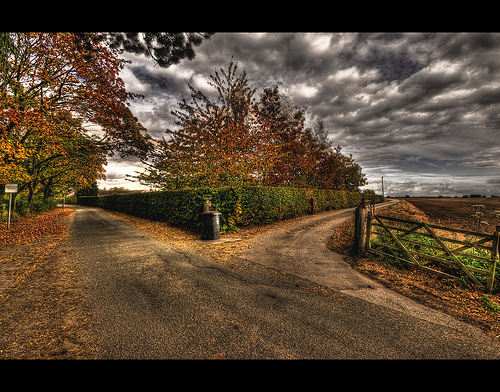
(422,109)
(391,54)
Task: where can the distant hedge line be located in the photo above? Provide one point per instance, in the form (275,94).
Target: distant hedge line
(239,206)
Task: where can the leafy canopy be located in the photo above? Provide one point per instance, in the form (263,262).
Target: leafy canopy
(235,140)
(63,106)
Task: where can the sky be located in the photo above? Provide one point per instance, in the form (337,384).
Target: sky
(421,110)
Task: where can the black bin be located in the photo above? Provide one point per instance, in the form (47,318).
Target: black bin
(210,225)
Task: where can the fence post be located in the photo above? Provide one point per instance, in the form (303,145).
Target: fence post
(360,229)
(494,257)
(368,240)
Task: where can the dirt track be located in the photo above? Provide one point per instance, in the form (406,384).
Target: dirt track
(301,249)
(456,298)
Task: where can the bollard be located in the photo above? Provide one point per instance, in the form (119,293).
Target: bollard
(495,250)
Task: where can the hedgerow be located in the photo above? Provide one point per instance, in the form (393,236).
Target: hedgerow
(239,206)
(21,207)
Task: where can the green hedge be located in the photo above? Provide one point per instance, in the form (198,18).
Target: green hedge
(239,206)
(20,205)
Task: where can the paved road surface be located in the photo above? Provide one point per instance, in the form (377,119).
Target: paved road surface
(152,300)
(300,248)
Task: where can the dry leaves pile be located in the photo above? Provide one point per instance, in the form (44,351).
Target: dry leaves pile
(41,309)
(26,230)
(183,238)
(464,303)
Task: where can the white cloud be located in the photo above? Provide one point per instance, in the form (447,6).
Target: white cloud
(116,174)
(487,158)
(350,74)
(319,43)
(200,82)
(133,84)
(178,71)
(303,90)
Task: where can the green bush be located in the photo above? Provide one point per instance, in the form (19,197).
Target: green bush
(38,204)
(20,205)
(71,200)
(239,206)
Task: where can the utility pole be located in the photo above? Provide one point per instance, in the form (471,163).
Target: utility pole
(382,185)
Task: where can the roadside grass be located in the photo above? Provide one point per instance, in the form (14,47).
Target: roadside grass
(424,245)
(455,297)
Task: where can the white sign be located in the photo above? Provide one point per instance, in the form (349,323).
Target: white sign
(10,188)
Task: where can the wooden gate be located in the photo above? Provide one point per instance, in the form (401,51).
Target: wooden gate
(437,249)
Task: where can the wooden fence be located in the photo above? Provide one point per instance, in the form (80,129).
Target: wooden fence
(437,249)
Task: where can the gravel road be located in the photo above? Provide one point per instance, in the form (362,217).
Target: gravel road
(150,299)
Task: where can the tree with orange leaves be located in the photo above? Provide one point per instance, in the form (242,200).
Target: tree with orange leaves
(220,142)
(234,140)
(52,87)
(307,159)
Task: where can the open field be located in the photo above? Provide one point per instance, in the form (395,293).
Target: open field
(457,212)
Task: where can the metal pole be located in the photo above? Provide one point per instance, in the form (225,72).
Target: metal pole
(10,210)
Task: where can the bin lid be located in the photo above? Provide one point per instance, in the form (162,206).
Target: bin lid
(211,213)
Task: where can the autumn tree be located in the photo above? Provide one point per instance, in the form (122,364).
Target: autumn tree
(307,158)
(53,87)
(337,171)
(320,133)
(220,142)
(276,111)
(59,158)
(235,140)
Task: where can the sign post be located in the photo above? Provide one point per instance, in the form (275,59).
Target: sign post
(10,189)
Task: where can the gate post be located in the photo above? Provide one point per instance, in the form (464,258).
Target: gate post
(369,218)
(495,248)
(360,229)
